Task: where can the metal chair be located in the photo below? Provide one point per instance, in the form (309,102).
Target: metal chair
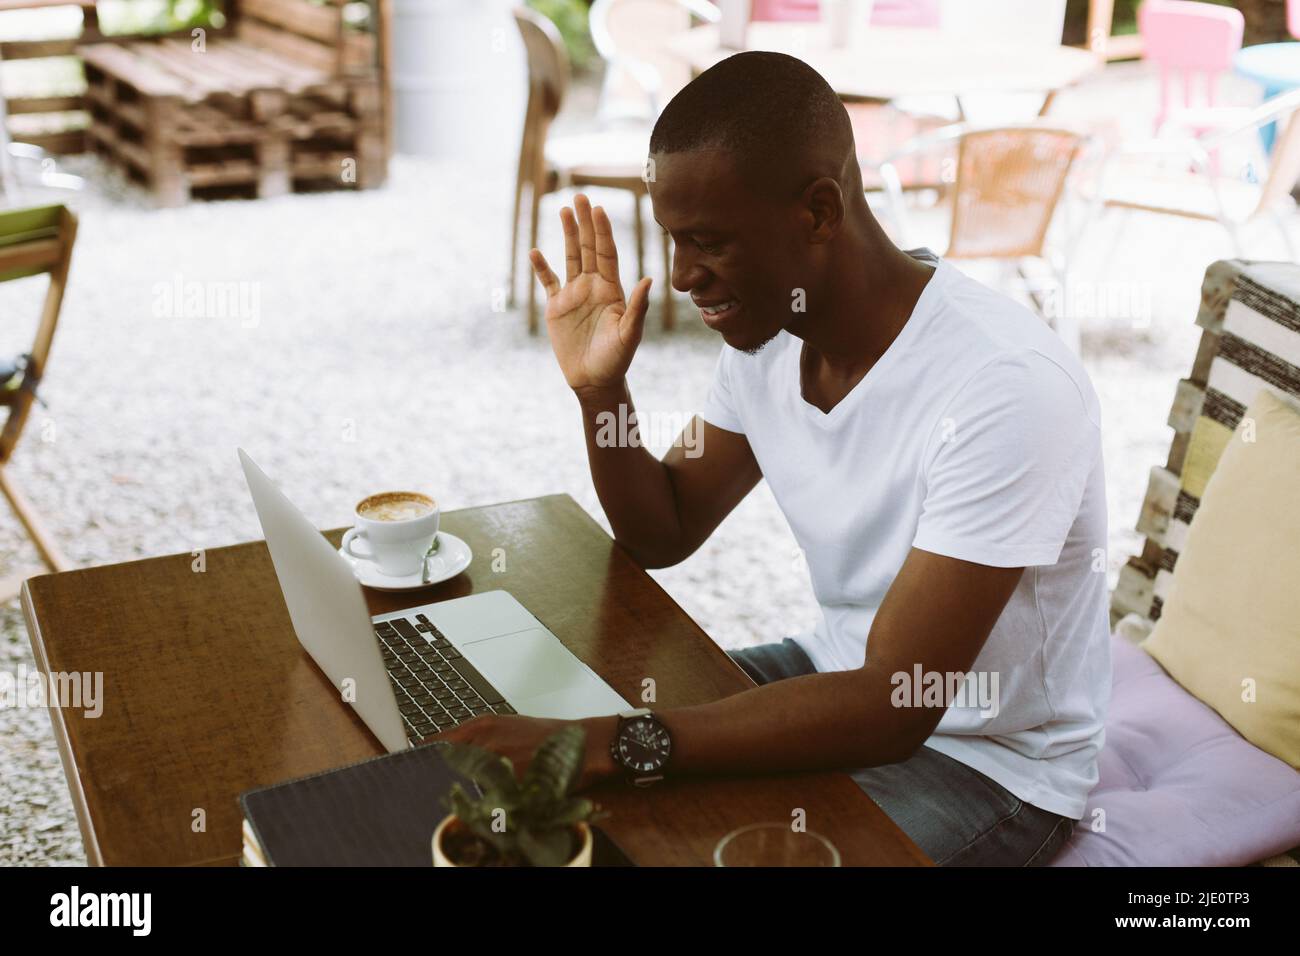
(32,242)
(1178,175)
(613,159)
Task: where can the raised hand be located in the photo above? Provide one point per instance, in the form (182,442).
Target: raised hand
(594,330)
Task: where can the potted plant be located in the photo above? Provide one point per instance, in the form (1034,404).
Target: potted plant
(528,821)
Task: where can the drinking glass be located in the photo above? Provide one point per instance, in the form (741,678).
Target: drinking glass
(774,844)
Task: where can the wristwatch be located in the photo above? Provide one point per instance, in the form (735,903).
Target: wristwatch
(641,746)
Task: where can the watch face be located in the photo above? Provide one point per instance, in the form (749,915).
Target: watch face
(643,745)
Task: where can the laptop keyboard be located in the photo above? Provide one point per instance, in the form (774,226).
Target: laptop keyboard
(436,687)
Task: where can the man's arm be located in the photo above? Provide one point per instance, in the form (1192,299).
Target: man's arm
(937,614)
(660,511)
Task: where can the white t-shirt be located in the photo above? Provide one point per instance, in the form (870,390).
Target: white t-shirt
(976,435)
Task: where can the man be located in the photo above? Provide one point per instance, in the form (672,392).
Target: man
(933,445)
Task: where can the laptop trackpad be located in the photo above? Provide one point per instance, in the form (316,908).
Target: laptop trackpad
(527,664)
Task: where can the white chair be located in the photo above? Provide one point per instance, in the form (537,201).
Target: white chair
(1176,174)
(631,36)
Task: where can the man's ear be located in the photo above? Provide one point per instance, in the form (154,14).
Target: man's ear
(824,202)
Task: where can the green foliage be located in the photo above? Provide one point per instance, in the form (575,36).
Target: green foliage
(570,18)
(191,13)
(537,812)
(149,18)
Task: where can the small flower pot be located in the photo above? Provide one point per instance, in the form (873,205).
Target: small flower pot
(451,823)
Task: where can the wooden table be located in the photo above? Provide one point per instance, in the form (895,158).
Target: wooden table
(207,693)
(891,62)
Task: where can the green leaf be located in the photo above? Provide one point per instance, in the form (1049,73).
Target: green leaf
(539,813)
(571,811)
(490,771)
(557,763)
(458,802)
(547,847)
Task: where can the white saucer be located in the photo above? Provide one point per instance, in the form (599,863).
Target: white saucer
(452,557)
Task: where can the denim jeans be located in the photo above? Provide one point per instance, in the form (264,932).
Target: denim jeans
(958,816)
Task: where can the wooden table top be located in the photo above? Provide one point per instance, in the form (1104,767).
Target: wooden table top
(207,693)
(890,62)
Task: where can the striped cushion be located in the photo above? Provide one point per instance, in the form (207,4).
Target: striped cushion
(1258,348)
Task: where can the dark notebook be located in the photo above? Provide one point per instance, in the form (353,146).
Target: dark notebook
(379,812)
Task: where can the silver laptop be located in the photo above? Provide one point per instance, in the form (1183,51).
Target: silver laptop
(416,672)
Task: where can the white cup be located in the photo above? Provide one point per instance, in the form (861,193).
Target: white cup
(397,544)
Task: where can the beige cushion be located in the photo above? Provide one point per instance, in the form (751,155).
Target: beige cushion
(1229,631)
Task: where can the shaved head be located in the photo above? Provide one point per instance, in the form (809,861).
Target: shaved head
(775,114)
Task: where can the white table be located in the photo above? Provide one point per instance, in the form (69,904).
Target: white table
(892,62)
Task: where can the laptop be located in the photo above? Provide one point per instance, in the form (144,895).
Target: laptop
(418,671)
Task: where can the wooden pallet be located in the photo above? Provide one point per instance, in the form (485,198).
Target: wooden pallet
(234,116)
(1229,289)
(316,35)
(307,33)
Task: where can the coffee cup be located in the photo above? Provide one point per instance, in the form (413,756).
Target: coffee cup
(397,527)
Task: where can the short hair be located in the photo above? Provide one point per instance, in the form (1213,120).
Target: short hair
(765,107)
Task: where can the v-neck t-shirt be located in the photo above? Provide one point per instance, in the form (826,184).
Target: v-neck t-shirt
(976,435)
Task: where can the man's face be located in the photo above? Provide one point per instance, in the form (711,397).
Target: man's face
(737,251)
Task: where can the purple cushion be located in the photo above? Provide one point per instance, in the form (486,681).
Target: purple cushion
(1178,785)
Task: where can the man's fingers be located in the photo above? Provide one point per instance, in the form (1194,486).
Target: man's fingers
(606,252)
(586,232)
(544,274)
(572,254)
(632,321)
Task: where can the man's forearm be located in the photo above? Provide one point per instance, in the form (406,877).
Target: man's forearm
(633,485)
(815,722)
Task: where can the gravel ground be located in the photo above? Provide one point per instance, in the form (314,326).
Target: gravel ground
(374,352)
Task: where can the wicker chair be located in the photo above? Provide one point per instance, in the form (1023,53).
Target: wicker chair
(1008,183)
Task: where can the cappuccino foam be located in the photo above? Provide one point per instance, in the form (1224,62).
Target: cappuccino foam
(395,506)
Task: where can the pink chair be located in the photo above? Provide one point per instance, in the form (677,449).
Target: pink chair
(906,13)
(1187,39)
(785,10)
(884,13)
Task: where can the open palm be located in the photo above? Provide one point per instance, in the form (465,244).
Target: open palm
(594,330)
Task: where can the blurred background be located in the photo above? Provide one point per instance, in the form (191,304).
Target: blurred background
(295,235)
